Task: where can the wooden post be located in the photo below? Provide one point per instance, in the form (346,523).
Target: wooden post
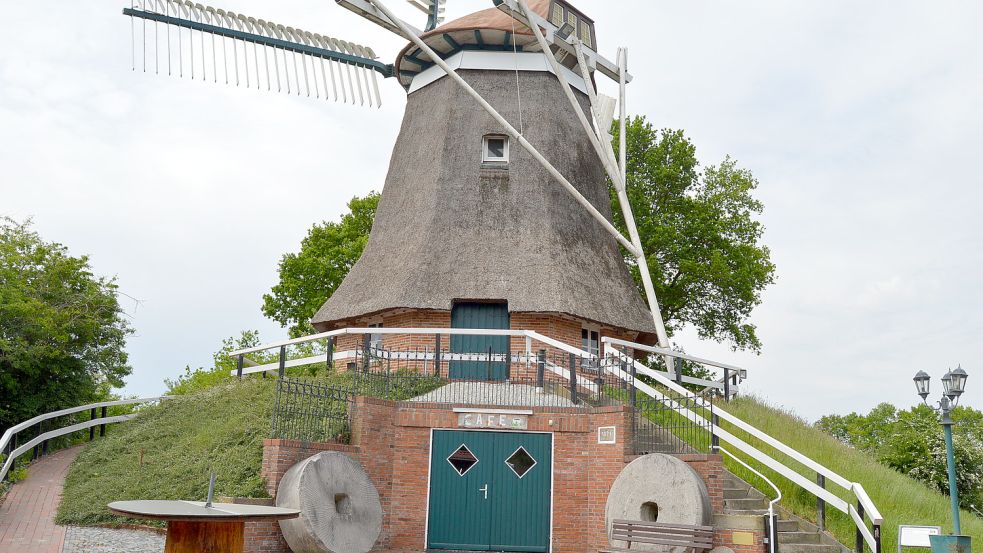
(239,363)
(726,384)
(573,379)
(102,427)
(331,352)
(821,504)
(283,361)
(436,355)
(195,537)
(92,429)
(541,369)
(632,390)
(860,535)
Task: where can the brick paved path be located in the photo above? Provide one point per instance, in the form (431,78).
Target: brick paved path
(27,516)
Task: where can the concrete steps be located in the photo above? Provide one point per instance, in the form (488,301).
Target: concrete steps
(794,534)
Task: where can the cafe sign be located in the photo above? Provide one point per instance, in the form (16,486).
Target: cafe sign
(499,419)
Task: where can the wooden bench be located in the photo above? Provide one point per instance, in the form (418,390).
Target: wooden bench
(676,535)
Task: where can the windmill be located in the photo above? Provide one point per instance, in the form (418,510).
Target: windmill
(550,38)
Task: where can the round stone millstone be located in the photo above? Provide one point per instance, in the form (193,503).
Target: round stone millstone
(658,488)
(340,511)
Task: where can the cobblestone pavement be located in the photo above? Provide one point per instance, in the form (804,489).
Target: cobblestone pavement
(27,516)
(109,540)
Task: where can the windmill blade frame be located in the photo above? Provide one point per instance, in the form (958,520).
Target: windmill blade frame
(311,53)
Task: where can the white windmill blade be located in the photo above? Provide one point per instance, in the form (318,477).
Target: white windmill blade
(195,38)
(433,8)
(375,15)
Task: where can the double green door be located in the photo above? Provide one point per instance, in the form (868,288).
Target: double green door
(485,316)
(490,491)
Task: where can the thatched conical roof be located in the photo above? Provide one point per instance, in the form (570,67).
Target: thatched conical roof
(449,227)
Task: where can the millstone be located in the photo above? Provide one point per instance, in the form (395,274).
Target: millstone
(340,511)
(659,488)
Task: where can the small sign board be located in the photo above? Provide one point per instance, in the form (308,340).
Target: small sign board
(916,536)
(607,435)
(504,421)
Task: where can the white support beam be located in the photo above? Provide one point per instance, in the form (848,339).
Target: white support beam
(606,155)
(604,65)
(511,131)
(368,11)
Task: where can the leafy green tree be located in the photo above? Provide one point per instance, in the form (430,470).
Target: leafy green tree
(62,330)
(912,443)
(309,277)
(699,232)
(221,369)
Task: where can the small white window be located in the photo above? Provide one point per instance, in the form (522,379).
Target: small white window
(495,148)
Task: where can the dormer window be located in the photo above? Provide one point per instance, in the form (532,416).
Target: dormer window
(495,149)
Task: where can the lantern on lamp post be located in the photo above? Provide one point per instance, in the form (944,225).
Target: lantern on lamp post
(953,386)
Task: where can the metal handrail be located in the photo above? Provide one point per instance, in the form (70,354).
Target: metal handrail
(853,487)
(13,430)
(771,504)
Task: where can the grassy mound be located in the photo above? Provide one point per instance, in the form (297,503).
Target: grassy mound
(169,451)
(901,500)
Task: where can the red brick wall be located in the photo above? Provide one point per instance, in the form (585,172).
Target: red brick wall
(711,469)
(726,537)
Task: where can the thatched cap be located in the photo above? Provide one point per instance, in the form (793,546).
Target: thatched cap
(492,26)
(450,228)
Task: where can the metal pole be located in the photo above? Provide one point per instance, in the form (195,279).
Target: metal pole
(573,379)
(541,369)
(366,344)
(283,361)
(821,504)
(488,365)
(951,464)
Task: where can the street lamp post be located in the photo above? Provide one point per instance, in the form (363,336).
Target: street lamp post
(953,386)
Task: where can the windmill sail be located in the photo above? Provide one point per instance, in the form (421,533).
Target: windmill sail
(188,39)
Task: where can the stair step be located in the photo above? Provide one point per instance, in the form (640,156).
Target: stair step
(735,493)
(746,504)
(799,537)
(808,548)
(788,526)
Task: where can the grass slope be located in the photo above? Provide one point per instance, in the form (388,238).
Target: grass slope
(182,441)
(901,500)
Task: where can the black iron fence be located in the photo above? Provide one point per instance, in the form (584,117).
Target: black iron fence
(517,379)
(310,411)
(666,425)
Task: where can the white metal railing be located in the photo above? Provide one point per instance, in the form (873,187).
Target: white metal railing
(772,523)
(529,335)
(854,488)
(11,432)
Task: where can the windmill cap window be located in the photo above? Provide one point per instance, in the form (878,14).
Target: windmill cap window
(495,148)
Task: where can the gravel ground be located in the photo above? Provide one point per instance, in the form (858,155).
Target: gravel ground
(484,393)
(111,540)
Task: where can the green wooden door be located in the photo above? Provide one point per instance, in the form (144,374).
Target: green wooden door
(479,315)
(490,491)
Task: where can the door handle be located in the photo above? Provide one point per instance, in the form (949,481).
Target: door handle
(485,490)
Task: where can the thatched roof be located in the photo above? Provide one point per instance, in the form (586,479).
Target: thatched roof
(449,228)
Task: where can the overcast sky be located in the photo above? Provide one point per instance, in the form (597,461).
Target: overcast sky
(863,122)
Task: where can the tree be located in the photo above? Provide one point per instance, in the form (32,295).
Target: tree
(62,330)
(327,253)
(699,233)
(911,442)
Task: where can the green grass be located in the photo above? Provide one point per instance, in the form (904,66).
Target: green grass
(217,428)
(900,499)
(181,442)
